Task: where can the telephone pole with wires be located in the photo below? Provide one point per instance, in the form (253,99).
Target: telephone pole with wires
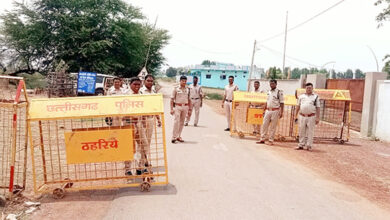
(251,70)
(285,42)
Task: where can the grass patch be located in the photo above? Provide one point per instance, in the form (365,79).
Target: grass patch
(214,96)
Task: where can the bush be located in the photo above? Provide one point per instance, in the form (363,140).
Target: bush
(35,80)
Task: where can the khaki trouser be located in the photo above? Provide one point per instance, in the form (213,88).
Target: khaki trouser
(196,107)
(142,145)
(180,116)
(270,121)
(228,111)
(306,130)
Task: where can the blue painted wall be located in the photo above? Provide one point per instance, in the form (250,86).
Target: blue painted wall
(217,76)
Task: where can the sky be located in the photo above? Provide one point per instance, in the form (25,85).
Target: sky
(225,31)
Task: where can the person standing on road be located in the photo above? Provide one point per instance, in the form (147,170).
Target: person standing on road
(256,89)
(308,108)
(196,95)
(180,107)
(139,134)
(150,120)
(274,110)
(228,99)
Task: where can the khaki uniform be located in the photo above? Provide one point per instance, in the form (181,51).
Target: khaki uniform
(307,118)
(195,94)
(228,101)
(256,128)
(116,121)
(150,121)
(271,117)
(142,144)
(180,98)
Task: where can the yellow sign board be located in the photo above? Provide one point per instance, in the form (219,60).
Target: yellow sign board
(329,94)
(253,97)
(96,146)
(255,116)
(77,107)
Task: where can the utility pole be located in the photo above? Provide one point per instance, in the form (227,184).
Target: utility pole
(150,43)
(285,41)
(253,59)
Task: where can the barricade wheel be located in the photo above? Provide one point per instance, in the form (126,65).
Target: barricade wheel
(17,189)
(341,141)
(282,139)
(145,187)
(58,193)
(335,139)
(68,185)
(241,135)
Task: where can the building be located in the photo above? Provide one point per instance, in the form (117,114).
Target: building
(216,76)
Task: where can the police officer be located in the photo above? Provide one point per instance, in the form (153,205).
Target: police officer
(196,95)
(149,122)
(256,89)
(180,107)
(274,110)
(308,108)
(228,99)
(116,89)
(142,144)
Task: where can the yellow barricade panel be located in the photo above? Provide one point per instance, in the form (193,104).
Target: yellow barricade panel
(329,94)
(99,146)
(95,106)
(255,116)
(97,142)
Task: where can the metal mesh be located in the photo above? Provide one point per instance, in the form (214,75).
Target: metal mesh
(334,122)
(53,171)
(13,140)
(242,128)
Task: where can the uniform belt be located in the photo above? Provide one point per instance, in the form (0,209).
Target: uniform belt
(272,109)
(308,115)
(181,104)
(228,100)
(195,98)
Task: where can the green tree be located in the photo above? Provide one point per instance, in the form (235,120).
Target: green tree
(274,73)
(384,16)
(348,74)
(296,73)
(208,63)
(106,36)
(171,72)
(359,74)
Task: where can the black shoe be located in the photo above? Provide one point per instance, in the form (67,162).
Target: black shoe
(227,129)
(260,142)
(173,141)
(186,124)
(128,173)
(299,148)
(145,171)
(139,172)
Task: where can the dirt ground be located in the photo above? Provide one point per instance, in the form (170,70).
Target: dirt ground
(362,164)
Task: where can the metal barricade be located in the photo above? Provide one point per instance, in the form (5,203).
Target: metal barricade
(85,143)
(13,136)
(247,116)
(335,115)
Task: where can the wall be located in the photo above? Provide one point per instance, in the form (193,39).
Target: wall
(240,78)
(381,126)
(318,80)
(289,86)
(356,87)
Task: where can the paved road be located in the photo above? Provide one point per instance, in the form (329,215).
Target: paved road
(215,176)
